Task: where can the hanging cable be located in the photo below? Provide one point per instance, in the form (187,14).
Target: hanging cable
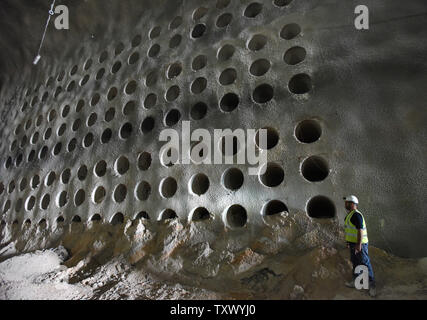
(51,13)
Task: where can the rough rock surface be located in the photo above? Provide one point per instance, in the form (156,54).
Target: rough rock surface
(170,260)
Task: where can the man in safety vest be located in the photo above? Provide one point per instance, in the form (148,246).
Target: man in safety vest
(356,236)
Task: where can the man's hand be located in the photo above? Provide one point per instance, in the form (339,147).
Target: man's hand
(358,248)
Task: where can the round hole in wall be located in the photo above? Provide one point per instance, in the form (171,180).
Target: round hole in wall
(126,131)
(274,207)
(198,85)
(199,62)
(147,125)
(199,184)
(198,30)
(225,52)
(99,194)
(174,70)
(172,117)
(65,176)
(44,204)
(122,165)
(198,111)
(232,179)
(117,219)
(229,102)
(300,84)
(263,93)
(200,214)
(120,193)
(308,131)
(272,138)
(82,173)
(79,197)
(224,20)
(315,168)
(253,10)
(294,55)
(100,168)
(144,161)
(150,101)
(236,216)
(168,187)
(143,191)
(290,31)
(260,67)
(273,175)
(167,214)
(321,207)
(228,76)
(257,42)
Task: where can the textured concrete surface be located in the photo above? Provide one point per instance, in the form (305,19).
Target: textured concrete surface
(365,94)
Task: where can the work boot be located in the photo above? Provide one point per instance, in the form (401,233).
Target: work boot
(350,284)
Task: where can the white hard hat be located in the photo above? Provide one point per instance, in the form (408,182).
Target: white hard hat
(351,198)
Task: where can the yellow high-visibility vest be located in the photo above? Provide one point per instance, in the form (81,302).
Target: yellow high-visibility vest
(351,231)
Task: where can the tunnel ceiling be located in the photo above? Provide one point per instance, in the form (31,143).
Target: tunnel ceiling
(345,112)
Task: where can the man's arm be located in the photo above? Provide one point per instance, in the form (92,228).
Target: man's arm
(358,246)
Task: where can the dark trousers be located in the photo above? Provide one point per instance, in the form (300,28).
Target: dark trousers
(362,258)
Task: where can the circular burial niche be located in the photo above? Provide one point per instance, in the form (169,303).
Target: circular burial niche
(119,194)
(167,214)
(174,70)
(272,138)
(147,125)
(294,55)
(257,42)
(96,217)
(142,215)
(79,197)
(229,102)
(235,216)
(198,111)
(260,67)
(232,179)
(274,207)
(253,10)
(117,219)
(199,62)
(199,214)
(273,175)
(76,219)
(100,168)
(300,84)
(125,131)
(290,31)
(198,30)
(224,20)
(199,184)
(144,161)
(225,52)
(315,169)
(143,191)
(263,93)
(308,131)
(172,117)
(99,194)
(121,165)
(228,76)
(320,207)
(168,187)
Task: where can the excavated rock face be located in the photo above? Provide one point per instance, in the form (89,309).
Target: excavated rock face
(80,162)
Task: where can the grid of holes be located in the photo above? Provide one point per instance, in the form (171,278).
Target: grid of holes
(232,179)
